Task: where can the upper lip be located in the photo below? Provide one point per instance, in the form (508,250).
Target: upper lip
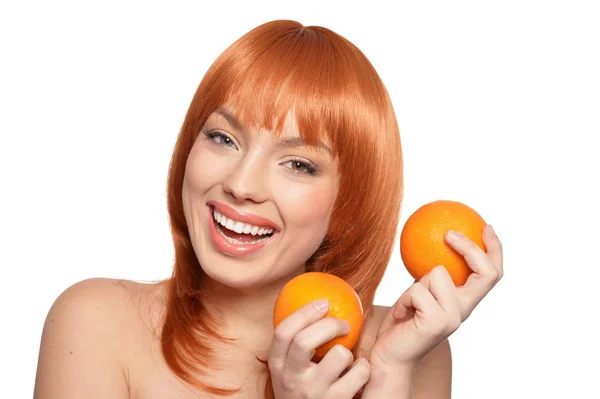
(243,216)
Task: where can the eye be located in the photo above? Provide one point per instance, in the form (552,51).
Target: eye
(220,139)
(299,166)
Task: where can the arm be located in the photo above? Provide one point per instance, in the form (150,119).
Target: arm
(432,378)
(80,344)
(433,375)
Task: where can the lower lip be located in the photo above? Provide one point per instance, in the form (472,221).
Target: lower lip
(229,248)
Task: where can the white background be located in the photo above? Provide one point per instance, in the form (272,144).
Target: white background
(498,105)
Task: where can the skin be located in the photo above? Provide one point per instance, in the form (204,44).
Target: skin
(404,349)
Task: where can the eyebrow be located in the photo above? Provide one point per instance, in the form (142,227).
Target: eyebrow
(228,116)
(291,142)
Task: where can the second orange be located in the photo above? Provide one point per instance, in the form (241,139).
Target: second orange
(422,243)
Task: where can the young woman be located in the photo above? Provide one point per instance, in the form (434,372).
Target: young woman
(289,160)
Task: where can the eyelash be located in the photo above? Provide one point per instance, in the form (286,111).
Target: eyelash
(308,168)
(213,134)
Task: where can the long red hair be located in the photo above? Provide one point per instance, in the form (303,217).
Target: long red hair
(334,92)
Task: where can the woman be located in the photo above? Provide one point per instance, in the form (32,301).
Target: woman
(289,160)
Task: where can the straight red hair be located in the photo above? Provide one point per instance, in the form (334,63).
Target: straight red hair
(335,94)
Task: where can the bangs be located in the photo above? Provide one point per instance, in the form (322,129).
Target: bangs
(309,74)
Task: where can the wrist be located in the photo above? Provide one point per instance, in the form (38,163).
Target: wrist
(389,381)
(384,369)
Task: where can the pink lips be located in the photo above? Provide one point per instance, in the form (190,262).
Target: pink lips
(237,250)
(243,217)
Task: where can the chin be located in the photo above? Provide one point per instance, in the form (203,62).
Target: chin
(247,274)
(237,275)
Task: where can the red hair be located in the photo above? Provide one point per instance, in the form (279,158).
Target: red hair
(334,93)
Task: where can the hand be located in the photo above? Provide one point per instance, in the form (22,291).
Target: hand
(431,309)
(293,372)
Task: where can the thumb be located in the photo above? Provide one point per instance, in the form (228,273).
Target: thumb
(404,308)
(399,312)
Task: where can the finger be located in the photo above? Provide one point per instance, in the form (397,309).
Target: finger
(291,326)
(441,286)
(485,275)
(475,257)
(349,385)
(419,297)
(333,364)
(494,248)
(304,344)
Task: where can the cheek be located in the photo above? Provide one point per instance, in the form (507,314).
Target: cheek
(308,207)
(201,171)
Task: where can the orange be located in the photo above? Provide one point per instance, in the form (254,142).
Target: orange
(422,244)
(344,304)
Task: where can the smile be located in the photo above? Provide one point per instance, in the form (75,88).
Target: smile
(226,226)
(237,237)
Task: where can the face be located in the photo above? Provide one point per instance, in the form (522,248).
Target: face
(257,206)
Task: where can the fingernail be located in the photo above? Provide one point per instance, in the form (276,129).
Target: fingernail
(453,235)
(492,229)
(321,304)
(346,328)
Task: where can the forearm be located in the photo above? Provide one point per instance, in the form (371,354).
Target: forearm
(389,384)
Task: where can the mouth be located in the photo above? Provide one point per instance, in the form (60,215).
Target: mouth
(235,237)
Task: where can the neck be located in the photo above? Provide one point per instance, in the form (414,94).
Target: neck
(245,314)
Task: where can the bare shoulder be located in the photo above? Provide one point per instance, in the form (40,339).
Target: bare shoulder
(82,340)
(433,376)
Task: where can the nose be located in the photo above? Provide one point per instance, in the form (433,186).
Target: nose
(247,180)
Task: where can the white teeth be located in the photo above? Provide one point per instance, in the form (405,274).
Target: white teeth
(240,242)
(239,227)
